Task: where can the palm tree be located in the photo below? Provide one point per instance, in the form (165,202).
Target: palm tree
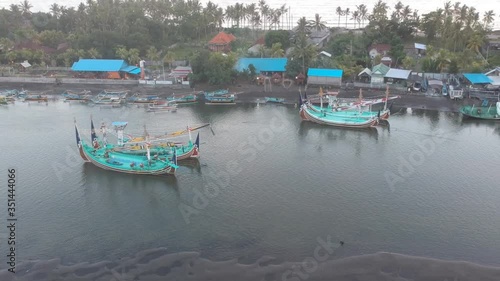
(93,53)
(303,26)
(317,23)
(26,7)
(304,51)
(475,43)
(339,12)
(362,13)
(277,50)
(264,11)
(347,12)
(355,17)
(488,18)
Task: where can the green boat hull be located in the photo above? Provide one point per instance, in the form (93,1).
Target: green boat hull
(480,112)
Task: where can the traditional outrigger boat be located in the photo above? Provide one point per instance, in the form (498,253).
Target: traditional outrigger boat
(169,107)
(83,96)
(110,98)
(274,100)
(103,156)
(230,99)
(159,146)
(482,112)
(37,98)
(138,99)
(324,118)
(361,108)
(185,99)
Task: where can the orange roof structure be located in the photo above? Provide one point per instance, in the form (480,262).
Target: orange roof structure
(222,38)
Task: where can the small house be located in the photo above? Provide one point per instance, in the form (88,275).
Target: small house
(365,75)
(379,50)
(221,42)
(378,73)
(330,77)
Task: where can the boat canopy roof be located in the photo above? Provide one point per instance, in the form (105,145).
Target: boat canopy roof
(119,124)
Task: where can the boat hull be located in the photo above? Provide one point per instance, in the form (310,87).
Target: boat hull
(117,163)
(307,114)
(384,114)
(480,112)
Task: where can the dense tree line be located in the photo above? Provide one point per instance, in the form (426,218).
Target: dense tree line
(135,29)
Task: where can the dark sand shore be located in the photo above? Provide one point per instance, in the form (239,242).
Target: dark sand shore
(158,265)
(249,93)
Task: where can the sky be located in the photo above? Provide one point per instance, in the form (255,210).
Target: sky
(299,8)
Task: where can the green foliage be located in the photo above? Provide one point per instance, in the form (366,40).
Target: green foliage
(278,36)
(494,60)
(220,69)
(214,68)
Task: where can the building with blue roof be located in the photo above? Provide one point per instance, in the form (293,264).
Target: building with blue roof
(262,64)
(324,76)
(104,65)
(477,78)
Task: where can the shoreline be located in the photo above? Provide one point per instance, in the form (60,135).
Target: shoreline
(250,93)
(158,264)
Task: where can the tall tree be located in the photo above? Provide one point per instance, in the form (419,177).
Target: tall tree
(317,23)
(339,12)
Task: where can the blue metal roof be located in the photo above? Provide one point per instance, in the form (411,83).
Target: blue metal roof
(262,64)
(323,72)
(131,69)
(98,65)
(477,78)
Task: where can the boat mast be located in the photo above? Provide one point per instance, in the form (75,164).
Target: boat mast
(386,96)
(321,97)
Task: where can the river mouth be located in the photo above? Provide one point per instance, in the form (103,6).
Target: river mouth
(265,189)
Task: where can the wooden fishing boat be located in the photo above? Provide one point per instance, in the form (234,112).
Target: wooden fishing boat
(220,100)
(162,149)
(218,93)
(186,99)
(137,99)
(325,118)
(104,156)
(361,108)
(162,108)
(84,96)
(110,98)
(482,112)
(37,98)
(274,100)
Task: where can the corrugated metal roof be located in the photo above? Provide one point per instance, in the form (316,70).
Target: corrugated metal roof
(323,72)
(381,69)
(98,65)
(420,46)
(495,80)
(262,64)
(477,78)
(131,69)
(398,73)
(367,71)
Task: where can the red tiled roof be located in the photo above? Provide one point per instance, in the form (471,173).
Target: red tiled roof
(381,48)
(222,38)
(260,41)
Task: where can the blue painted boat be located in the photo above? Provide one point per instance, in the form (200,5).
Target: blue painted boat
(325,118)
(220,100)
(274,100)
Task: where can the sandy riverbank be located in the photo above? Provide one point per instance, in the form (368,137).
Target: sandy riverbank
(158,264)
(252,93)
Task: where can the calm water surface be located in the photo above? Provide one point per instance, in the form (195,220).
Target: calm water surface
(275,186)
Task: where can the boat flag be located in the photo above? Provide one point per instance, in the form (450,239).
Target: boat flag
(197,142)
(93,135)
(78,141)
